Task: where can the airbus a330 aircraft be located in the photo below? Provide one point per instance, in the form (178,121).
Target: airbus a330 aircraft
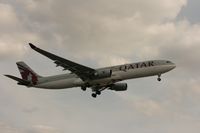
(86,77)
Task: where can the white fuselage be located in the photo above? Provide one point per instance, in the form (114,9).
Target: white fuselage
(119,73)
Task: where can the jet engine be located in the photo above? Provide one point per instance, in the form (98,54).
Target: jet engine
(119,87)
(105,73)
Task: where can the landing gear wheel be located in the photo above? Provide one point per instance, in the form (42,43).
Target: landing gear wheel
(83,88)
(94,95)
(98,92)
(159,79)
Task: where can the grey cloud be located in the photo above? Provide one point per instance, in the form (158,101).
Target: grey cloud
(183,48)
(88,26)
(7,129)
(190,11)
(31,110)
(12,33)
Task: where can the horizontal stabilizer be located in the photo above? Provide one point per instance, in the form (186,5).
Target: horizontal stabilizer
(20,81)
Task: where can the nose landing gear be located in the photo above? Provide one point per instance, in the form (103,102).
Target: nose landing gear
(159,79)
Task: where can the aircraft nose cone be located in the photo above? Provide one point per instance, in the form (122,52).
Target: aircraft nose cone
(173,66)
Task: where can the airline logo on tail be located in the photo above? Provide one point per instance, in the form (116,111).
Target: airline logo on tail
(27,73)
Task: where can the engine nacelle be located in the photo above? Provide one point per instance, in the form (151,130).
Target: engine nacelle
(106,73)
(119,87)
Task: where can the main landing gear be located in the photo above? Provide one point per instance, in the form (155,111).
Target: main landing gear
(96,90)
(96,93)
(159,79)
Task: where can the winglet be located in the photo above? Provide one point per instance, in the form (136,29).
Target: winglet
(32,46)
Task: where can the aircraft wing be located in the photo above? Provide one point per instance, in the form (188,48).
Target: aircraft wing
(82,71)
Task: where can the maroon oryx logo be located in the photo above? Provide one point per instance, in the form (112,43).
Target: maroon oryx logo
(28,75)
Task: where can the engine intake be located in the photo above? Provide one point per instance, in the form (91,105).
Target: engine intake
(119,87)
(106,73)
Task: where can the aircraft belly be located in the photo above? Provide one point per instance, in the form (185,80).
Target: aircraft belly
(61,84)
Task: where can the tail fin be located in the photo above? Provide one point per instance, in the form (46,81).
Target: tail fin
(27,73)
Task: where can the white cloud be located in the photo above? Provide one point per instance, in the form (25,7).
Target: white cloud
(5,128)
(8,17)
(123,28)
(44,129)
(147,107)
(106,27)
(13,34)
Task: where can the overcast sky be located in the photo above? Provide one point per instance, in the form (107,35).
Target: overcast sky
(100,33)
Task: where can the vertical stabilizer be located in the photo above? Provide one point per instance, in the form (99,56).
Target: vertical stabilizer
(27,73)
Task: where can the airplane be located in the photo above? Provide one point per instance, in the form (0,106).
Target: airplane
(86,77)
